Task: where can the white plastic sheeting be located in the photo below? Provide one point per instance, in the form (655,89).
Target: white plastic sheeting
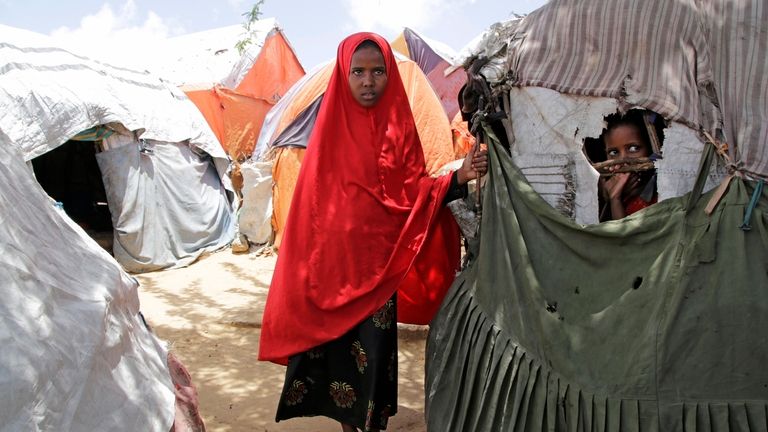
(207,57)
(549,129)
(167,204)
(76,355)
(255,215)
(48,95)
(676,173)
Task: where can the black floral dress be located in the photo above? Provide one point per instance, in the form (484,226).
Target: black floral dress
(352,379)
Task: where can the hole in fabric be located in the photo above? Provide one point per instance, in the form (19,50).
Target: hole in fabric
(612,153)
(638,281)
(552,307)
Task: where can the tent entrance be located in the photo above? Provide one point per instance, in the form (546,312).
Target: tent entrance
(71,176)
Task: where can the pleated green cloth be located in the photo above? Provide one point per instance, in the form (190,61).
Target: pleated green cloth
(657,322)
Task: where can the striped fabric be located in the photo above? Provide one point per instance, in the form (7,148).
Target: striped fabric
(699,62)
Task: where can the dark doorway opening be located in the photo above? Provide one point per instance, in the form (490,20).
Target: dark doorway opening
(71,176)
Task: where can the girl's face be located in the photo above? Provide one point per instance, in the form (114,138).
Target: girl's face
(625,142)
(367,75)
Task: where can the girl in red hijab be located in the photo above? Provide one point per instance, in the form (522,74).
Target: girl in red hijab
(368,241)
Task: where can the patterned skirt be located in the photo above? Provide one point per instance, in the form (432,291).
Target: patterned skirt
(352,379)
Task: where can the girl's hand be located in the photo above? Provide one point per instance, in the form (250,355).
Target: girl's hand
(475,165)
(613,186)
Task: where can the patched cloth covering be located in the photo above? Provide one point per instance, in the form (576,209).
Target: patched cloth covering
(700,63)
(656,322)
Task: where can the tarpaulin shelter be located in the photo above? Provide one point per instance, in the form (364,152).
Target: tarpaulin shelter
(436,60)
(655,322)
(76,354)
(163,172)
(286,130)
(234,91)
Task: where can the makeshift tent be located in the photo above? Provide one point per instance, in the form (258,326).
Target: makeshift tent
(655,322)
(436,60)
(286,131)
(163,172)
(76,354)
(233,91)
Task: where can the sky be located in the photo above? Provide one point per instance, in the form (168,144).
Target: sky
(313,27)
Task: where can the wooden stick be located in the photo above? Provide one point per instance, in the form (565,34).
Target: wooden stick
(478,191)
(611,162)
(655,145)
(625,165)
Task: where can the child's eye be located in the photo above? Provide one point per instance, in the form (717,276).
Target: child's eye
(634,148)
(380,72)
(612,153)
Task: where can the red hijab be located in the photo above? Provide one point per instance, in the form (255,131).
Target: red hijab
(365,221)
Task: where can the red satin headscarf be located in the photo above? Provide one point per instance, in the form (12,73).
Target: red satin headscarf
(365,221)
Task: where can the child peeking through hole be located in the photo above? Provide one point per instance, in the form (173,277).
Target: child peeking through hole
(627,186)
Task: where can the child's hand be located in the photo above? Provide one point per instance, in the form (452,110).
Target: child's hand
(613,186)
(617,186)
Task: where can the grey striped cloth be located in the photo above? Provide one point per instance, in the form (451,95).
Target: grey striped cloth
(699,62)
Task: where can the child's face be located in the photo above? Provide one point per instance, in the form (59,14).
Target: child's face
(625,142)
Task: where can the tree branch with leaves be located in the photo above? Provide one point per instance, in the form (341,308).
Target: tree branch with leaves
(251,17)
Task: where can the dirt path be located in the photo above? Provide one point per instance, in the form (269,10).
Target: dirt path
(210,313)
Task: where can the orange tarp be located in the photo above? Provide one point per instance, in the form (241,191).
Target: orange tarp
(286,168)
(310,91)
(274,72)
(431,123)
(207,101)
(462,138)
(236,116)
(400,45)
(446,86)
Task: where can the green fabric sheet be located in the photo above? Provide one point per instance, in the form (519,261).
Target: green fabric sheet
(657,322)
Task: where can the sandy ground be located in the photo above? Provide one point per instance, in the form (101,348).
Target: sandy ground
(210,313)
